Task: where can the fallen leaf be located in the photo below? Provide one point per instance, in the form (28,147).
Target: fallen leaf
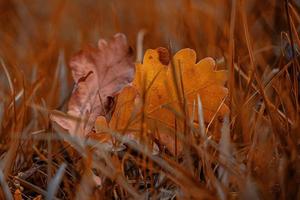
(99,74)
(152,101)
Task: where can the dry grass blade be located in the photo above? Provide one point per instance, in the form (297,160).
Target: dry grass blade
(139,45)
(54,184)
(12,152)
(5,189)
(200,117)
(11,87)
(225,151)
(249,47)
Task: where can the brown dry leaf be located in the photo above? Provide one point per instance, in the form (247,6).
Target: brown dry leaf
(154,83)
(99,74)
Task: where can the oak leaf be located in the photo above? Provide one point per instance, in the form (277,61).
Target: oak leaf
(152,100)
(99,74)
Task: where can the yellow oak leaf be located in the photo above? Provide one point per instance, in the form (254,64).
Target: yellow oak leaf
(201,79)
(152,102)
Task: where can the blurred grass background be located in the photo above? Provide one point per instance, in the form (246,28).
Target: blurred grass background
(253,39)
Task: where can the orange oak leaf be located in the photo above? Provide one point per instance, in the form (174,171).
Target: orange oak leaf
(99,74)
(152,101)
